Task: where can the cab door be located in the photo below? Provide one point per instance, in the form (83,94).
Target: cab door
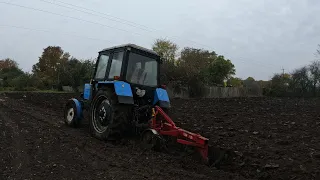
(109,66)
(115,67)
(102,66)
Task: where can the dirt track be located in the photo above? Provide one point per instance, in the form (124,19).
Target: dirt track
(273,139)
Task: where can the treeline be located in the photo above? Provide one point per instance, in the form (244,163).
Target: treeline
(188,67)
(301,82)
(193,68)
(54,69)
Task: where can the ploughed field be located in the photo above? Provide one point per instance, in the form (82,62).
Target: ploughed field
(273,138)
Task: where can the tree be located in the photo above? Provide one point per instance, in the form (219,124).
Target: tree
(8,74)
(249,82)
(196,60)
(166,49)
(207,66)
(250,79)
(76,72)
(219,70)
(280,85)
(318,51)
(7,63)
(51,59)
(235,82)
(314,69)
(200,67)
(191,67)
(300,80)
(22,82)
(81,73)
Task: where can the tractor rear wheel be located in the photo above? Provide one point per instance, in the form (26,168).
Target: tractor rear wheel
(108,118)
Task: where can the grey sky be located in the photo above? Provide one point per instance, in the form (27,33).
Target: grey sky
(258,36)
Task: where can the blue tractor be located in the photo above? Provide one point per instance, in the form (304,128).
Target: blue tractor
(124,86)
(125,97)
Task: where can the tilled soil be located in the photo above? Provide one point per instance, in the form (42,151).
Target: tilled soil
(273,138)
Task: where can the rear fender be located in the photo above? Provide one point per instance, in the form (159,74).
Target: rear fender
(78,108)
(161,98)
(122,90)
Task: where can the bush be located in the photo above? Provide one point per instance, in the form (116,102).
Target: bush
(196,88)
(22,83)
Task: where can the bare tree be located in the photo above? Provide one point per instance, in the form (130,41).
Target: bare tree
(300,80)
(314,69)
(317,53)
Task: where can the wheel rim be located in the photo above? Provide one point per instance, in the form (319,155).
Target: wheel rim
(99,114)
(70,115)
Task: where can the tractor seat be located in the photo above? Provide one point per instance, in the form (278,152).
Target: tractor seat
(139,76)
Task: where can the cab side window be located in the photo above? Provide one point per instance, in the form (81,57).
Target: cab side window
(116,65)
(102,66)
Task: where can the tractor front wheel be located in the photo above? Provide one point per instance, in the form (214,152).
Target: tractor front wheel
(71,114)
(108,118)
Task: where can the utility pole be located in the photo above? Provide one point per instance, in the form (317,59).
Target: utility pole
(282,72)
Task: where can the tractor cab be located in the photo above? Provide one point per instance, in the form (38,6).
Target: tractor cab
(136,68)
(130,63)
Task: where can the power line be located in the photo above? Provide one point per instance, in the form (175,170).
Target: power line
(48,31)
(119,20)
(79,19)
(54,32)
(71,17)
(122,21)
(105,14)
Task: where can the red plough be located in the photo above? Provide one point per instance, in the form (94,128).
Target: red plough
(166,127)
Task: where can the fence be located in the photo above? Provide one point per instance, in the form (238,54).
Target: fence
(67,88)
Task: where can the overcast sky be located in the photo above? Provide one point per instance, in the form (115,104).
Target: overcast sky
(260,37)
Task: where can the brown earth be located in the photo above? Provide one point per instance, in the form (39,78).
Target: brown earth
(274,138)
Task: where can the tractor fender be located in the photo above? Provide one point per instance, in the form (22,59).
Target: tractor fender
(161,98)
(79,108)
(122,90)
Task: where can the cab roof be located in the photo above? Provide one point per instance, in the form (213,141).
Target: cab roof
(132,46)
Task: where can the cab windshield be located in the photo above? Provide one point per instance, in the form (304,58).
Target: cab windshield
(142,70)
